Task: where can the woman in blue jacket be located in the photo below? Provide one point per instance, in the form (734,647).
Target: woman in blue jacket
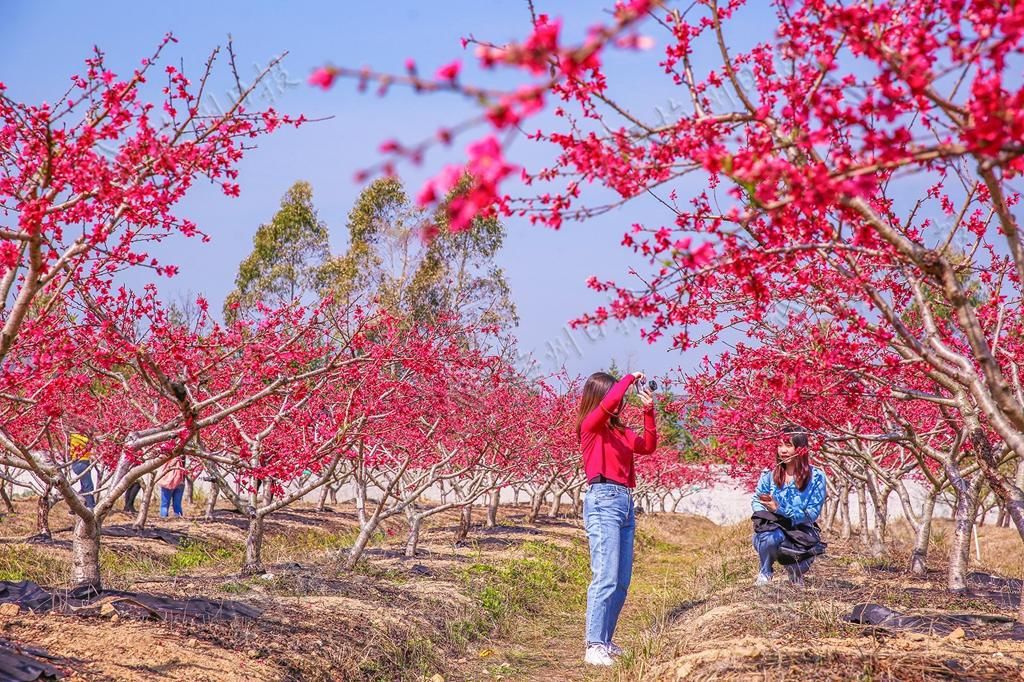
(793,489)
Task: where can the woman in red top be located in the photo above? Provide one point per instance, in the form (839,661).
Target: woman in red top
(608,512)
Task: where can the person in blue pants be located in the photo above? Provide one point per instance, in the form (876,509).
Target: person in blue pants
(172,488)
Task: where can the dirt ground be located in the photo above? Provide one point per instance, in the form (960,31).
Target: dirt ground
(784,633)
(392,618)
(507,604)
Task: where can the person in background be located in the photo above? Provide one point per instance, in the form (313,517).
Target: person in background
(81,461)
(172,487)
(609,513)
(795,491)
(120,471)
(129,497)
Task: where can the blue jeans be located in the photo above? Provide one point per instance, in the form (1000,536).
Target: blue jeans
(610,520)
(169,496)
(767,546)
(78,467)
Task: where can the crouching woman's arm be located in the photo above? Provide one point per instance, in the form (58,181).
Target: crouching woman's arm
(806,507)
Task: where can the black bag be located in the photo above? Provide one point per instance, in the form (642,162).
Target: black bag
(802,541)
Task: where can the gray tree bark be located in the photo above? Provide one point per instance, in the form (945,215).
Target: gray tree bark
(253,563)
(919,556)
(85,553)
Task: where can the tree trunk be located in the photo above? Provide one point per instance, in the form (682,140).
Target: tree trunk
(833,509)
(322,503)
(844,513)
(1011,493)
(147,499)
(862,511)
(43,514)
(577,504)
(85,553)
(556,505)
(465,521)
(881,504)
(492,508)
(963,519)
(536,502)
(254,546)
(190,490)
(211,503)
(414,536)
(361,504)
(7,498)
(515,496)
(919,557)
(366,532)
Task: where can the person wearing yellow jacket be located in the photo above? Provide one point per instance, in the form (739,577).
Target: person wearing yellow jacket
(81,460)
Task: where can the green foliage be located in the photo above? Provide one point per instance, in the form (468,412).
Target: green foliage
(382,215)
(288,253)
(388,261)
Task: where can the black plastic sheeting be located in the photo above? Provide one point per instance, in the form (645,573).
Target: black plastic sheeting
(168,536)
(22,664)
(86,601)
(1003,591)
(975,626)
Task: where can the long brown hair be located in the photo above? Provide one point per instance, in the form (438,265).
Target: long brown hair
(797,437)
(594,391)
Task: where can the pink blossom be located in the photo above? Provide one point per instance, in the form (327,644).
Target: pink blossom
(323,77)
(450,71)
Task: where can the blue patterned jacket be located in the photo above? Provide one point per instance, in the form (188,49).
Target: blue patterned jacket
(799,506)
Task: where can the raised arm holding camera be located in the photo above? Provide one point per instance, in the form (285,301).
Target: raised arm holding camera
(608,510)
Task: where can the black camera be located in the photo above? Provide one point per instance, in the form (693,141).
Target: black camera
(651,386)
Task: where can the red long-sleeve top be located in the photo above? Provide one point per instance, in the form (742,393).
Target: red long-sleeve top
(609,451)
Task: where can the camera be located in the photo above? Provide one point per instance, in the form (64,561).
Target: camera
(650,387)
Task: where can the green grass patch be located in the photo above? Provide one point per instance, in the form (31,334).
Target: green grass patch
(649,542)
(546,575)
(413,657)
(303,542)
(25,562)
(235,587)
(193,554)
(120,567)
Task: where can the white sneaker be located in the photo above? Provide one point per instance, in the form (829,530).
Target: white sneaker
(614,649)
(762,580)
(597,654)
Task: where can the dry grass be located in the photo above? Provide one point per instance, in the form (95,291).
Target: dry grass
(779,633)
(20,561)
(391,619)
(509,604)
(1001,549)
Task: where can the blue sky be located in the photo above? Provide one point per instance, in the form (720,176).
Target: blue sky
(42,44)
